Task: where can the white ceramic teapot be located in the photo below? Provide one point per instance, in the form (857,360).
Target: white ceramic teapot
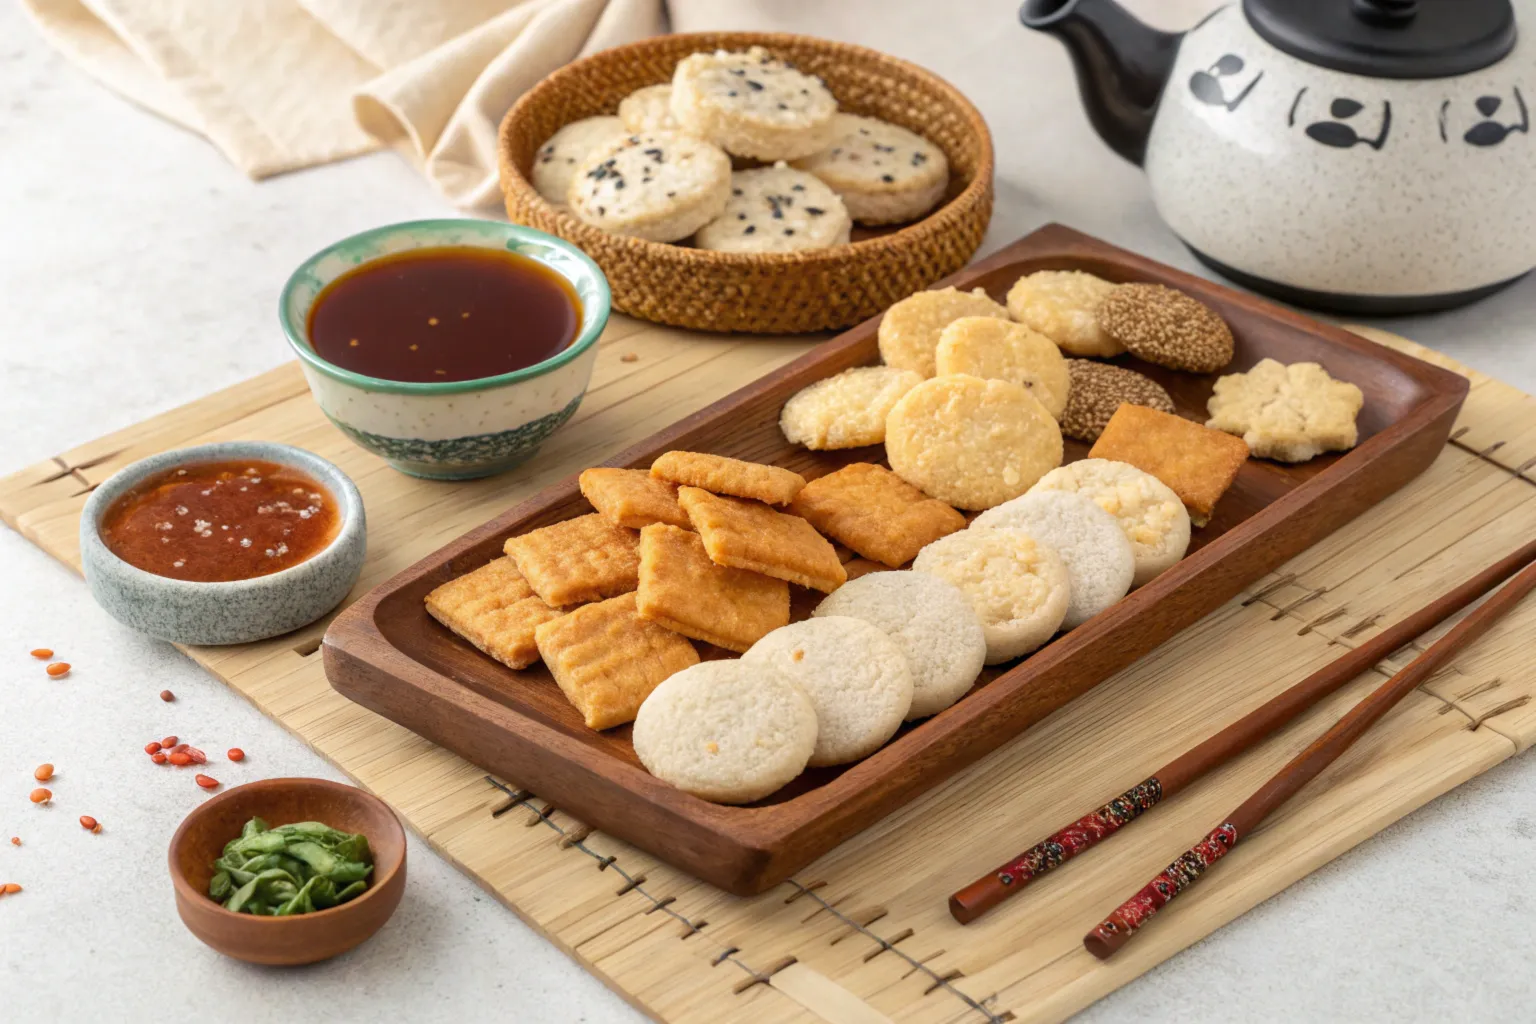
(1364,156)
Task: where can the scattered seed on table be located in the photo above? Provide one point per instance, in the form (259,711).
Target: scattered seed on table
(44,772)
(96,829)
(197,756)
(10,888)
(180,758)
(15,840)
(158,757)
(207,782)
(168,743)
(43,653)
(58,669)
(235,754)
(89,823)
(152,747)
(629,357)
(167,696)
(40,796)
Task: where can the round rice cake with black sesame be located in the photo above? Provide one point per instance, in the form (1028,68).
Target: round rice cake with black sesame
(555,165)
(1097,390)
(648,110)
(885,174)
(753,104)
(776,209)
(660,186)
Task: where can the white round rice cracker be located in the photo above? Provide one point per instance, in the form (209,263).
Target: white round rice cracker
(776,209)
(1098,556)
(929,620)
(886,174)
(847,410)
(660,186)
(1017,585)
(649,110)
(554,166)
(909,331)
(1151,515)
(727,731)
(993,349)
(855,675)
(753,104)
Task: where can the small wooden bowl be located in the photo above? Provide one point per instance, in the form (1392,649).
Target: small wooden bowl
(777,293)
(303,938)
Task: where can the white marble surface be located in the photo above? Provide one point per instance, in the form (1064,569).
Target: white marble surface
(139,271)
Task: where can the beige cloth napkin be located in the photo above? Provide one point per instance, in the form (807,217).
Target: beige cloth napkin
(278,85)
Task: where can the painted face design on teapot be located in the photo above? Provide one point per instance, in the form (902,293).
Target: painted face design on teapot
(1343,126)
(1211,85)
(1487,121)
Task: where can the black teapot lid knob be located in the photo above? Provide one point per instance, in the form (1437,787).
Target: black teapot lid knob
(1389,38)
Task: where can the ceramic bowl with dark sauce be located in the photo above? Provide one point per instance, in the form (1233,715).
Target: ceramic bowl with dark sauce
(223,543)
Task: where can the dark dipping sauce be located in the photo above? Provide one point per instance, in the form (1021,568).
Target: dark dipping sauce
(213,522)
(444,314)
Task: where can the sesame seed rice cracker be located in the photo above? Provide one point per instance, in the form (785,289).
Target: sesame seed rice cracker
(753,104)
(659,186)
(1165,326)
(1098,389)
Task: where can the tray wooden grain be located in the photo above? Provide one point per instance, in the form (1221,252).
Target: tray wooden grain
(385,652)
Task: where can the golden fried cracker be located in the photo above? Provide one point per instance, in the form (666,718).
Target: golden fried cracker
(607,659)
(720,475)
(495,609)
(750,535)
(581,559)
(632,498)
(875,512)
(1198,463)
(681,589)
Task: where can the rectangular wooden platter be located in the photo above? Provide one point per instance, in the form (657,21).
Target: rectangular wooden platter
(385,653)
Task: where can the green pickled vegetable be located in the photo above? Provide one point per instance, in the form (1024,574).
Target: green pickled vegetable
(291,869)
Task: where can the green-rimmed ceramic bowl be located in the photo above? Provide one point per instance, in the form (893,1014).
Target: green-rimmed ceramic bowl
(459,429)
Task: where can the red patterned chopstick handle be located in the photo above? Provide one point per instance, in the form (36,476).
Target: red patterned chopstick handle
(1156,894)
(1087,831)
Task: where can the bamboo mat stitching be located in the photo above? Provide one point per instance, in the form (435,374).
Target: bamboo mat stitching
(576,839)
(940,981)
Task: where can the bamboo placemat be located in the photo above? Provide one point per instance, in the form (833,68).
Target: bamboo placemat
(863,934)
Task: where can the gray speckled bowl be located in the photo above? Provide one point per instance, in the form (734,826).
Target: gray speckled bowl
(224,613)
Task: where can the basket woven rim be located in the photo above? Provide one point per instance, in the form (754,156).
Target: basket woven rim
(939,222)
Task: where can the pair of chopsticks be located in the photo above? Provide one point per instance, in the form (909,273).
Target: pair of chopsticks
(991,889)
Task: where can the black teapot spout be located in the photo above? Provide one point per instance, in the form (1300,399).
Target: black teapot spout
(1122,65)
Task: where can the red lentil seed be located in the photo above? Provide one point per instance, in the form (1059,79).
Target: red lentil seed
(89,823)
(167,696)
(236,754)
(40,796)
(158,757)
(207,782)
(152,747)
(44,772)
(43,653)
(15,840)
(58,669)
(197,756)
(10,888)
(180,758)
(168,742)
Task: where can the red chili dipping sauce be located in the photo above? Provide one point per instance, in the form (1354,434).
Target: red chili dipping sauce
(214,522)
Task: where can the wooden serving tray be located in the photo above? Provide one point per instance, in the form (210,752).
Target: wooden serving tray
(385,652)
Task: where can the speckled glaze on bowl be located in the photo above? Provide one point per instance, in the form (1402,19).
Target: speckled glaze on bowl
(238,611)
(455,430)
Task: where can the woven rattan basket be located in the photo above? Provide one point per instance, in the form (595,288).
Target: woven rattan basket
(777,293)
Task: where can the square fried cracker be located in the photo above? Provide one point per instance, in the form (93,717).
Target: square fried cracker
(875,512)
(581,559)
(1198,463)
(632,498)
(607,659)
(720,475)
(681,589)
(495,609)
(750,535)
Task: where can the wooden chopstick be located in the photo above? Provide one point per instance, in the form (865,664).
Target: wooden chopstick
(1116,929)
(993,888)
